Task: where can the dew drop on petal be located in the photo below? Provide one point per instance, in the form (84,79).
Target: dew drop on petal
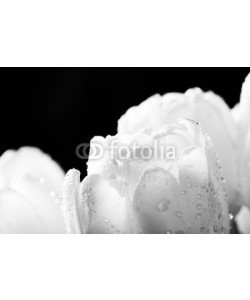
(198,216)
(178,214)
(164,205)
(220,217)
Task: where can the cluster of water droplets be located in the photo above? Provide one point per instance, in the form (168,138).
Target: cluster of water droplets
(202,204)
(68,201)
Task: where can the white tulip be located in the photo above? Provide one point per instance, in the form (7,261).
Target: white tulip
(153,191)
(241,115)
(206,108)
(30,183)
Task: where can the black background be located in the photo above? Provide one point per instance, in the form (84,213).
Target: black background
(56,109)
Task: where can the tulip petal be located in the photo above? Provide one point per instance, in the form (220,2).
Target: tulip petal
(74,209)
(17,215)
(29,161)
(107,209)
(156,203)
(243,109)
(206,208)
(20,215)
(44,201)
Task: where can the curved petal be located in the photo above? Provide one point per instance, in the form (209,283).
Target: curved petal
(20,212)
(156,203)
(107,209)
(73,207)
(193,205)
(29,161)
(202,188)
(17,215)
(243,110)
(241,115)
(43,200)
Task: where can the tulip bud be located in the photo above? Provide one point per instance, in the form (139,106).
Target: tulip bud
(206,108)
(30,184)
(163,180)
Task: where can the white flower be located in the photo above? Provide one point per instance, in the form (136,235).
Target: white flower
(30,182)
(183,193)
(206,108)
(241,115)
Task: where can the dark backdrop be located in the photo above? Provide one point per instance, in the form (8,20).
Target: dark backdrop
(55,109)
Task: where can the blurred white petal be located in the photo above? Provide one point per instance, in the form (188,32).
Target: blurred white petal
(31,181)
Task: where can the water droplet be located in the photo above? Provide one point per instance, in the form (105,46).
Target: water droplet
(198,206)
(106,221)
(178,213)
(223,180)
(198,216)
(189,185)
(124,181)
(164,205)
(231,217)
(220,217)
(199,196)
(169,232)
